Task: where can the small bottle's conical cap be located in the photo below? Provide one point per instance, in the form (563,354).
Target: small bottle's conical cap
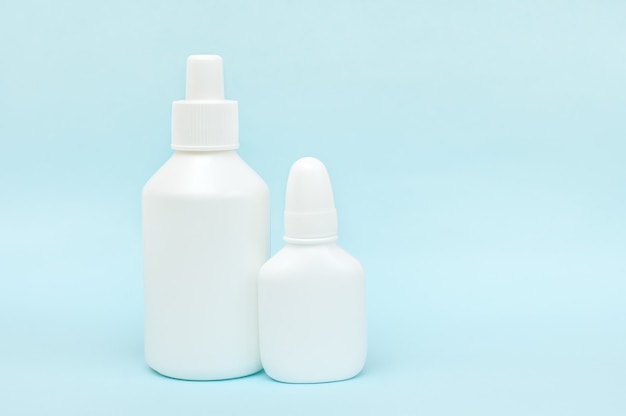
(309,204)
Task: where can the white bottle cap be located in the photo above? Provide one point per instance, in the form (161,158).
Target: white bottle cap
(310,215)
(205,120)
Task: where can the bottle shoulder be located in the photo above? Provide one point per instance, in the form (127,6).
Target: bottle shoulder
(205,173)
(311,260)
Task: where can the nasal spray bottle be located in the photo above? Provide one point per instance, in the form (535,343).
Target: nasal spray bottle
(311,293)
(205,234)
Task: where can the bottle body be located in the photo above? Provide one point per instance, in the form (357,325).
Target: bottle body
(206,234)
(312,317)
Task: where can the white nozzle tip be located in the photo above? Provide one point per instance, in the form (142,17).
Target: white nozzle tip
(308,187)
(205,78)
(309,203)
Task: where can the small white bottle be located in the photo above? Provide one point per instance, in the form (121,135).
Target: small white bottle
(312,324)
(205,234)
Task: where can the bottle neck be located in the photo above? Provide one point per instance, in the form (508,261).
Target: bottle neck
(207,156)
(310,241)
(206,152)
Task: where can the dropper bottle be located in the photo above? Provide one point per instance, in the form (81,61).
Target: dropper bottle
(205,236)
(312,324)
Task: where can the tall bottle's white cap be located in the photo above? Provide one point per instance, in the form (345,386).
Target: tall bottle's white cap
(205,120)
(310,215)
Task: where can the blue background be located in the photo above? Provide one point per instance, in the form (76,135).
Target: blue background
(477,155)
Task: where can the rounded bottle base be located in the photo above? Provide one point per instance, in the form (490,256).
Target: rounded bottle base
(179,374)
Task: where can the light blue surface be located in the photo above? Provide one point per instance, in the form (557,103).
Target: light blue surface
(477,153)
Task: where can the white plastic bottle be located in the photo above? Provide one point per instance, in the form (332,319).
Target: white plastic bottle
(311,293)
(205,234)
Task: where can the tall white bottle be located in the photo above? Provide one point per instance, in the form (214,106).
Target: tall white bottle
(311,293)
(205,234)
